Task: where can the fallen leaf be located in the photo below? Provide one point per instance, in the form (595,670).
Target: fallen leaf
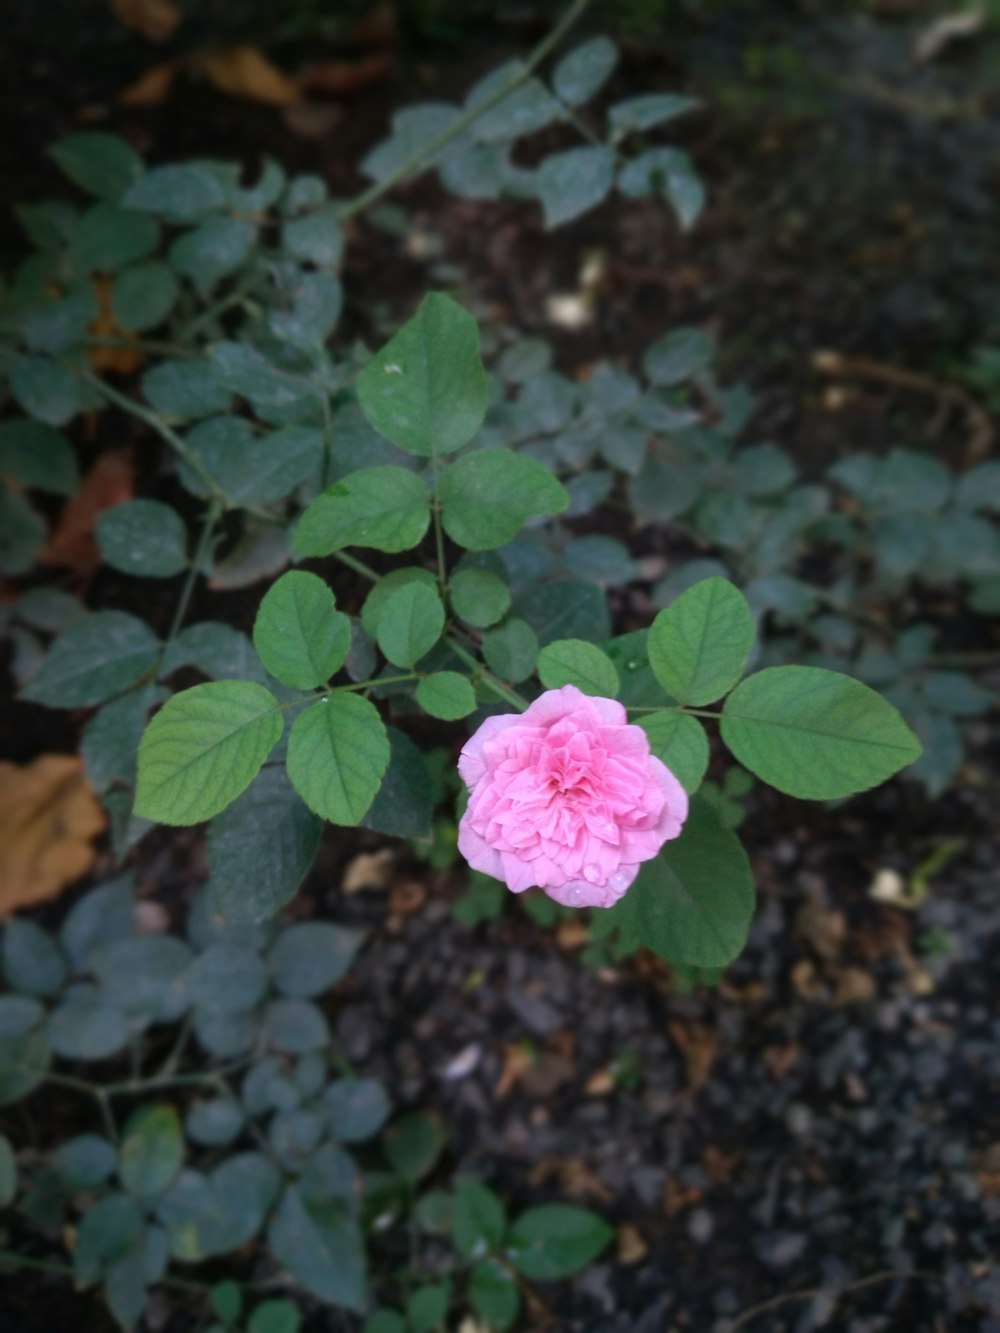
(806,980)
(243,71)
(124,359)
(48,816)
(854,986)
(156,20)
(632,1249)
(312,120)
(341,78)
(518,1057)
(407,897)
(823,929)
(600,1083)
(109,482)
(572,933)
(698,1045)
(946,29)
(677,1197)
(153,87)
(574,1176)
(780,1059)
(369,870)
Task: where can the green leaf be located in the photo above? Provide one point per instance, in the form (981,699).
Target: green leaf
(308,958)
(8,1173)
(109,238)
(322,1248)
(261,849)
(647,111)
(203,748)
(145,976)
(426,390)
(183,193)
(24,1047)
(217,650)
(427,1307)
(47,390)
(152,1150)
(245,370)
(565,609)
(89,1026)
(814,733)
(556,1241)
(692,904)
(413,1145)
(275,1316)
(32,961)
(679,356)
(670,172)
(213,250)
(49,609)
(100,916)
(315,238)
(446,695)
(186,390)
(357,1107)
(337,755)
(226,1301)
(527,108)
(574,181)
(384,507)
(143,297)
(250,469)
(404,804)
(57,325)
(511,650)
(385,588)
(698,647)
(317,301)
(214,1123)
(385,1321)
(143,537)
(85,1162)
(581,74)
(479,1220)
(679,741)
(112,737)
(107,1232)
(298,635)
(22,535)
(487,497)
(97,657)
(479,596)
(493,1294)
(979,488)
(410,623)
(101,164)
(37,457)
(227,978)
(213,1215)
(576,662)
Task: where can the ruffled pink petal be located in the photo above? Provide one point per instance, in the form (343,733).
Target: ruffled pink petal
(477,851)
(675,811)
(471,764)
(580,893)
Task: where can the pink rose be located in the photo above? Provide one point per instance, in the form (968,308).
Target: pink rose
(566,796)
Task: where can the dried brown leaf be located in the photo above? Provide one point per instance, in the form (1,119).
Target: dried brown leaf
(156,20)
(48,817)
(243,71)
(109,482)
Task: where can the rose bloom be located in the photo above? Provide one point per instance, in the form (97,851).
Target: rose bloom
(566,796)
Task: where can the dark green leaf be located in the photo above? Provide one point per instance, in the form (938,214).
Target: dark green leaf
(574,181)
(213,250)
(308,958)
(357,1107)
(142,297)
(99,917)
(143,537)
(46,389)
(88,1026)
(152,1150)
(321,1246)
(97,657)
(679,356)
(410,623)
(33,962)
(556,1241)
(479,596)
(227,978)
(404,804)
(296,1026)
(479,1220)
(177,193)
(186,390)
(214,1123)
(679,741)
(511,650)
(107,1232)
(384,507)
(493,1294)
(145,975)
(647,111)
(427,1307)
(109,238)
(101,164)
(579,75)
(85,1162)
(413,1145)
(487,497)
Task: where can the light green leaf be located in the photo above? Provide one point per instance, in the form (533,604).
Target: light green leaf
(298,635)
(479,596)
(204,747)
(410,623)
(814,733)
(261,849)
(143,537)
(576,662)
(581,74)
(487,497)
(426,390)
(96,657)
(386,587)
(691,904)
(101,164)
(679,741)
(556,1241)
(511,650)
(446,695)
(573,181)
(142,297)
(384,507)
(152,1150)
(698,647)
(337,755)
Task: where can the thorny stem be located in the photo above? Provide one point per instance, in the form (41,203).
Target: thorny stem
(196,568)
(489,680)
(151,419)
(424,154)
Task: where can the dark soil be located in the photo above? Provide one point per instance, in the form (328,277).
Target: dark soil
(813,1144)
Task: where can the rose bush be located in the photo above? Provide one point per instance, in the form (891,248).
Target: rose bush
(566,797)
